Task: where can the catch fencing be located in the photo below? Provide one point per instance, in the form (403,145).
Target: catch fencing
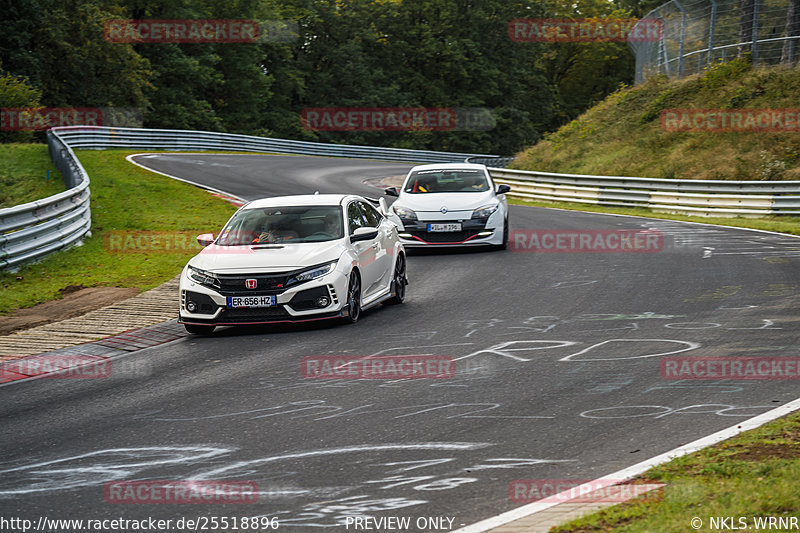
(698,33)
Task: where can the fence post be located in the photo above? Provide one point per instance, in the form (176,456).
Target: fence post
(662,46)
(754,46)
(683,38)
(712,27)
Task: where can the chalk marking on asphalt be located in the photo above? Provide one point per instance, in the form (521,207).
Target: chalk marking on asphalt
(635,470)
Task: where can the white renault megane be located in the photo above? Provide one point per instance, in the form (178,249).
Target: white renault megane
(453,204)
(292,259)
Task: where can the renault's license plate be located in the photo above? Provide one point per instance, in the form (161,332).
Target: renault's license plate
(444,227)
(252,301)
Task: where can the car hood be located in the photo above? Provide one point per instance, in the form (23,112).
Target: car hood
(275,258)
(453,201)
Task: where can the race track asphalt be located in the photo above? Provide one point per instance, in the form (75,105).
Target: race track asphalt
(558,376)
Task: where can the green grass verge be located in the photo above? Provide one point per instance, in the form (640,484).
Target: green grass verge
(751,475)
(124,198)
(623,136)
(779,224)
(23,174)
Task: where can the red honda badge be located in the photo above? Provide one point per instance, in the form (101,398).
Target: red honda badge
(251,283)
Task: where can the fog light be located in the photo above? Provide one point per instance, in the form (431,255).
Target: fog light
(191,306)
(322,301)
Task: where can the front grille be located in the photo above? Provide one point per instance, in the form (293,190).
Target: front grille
(445,236)
(469,228)
(234,285)
(258,314)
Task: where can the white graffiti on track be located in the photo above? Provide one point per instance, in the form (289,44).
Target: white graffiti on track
(637,348)
(322,410)
(647,315)
(504,349)
(767,324)
(633,322)
(213,463)
(686,346)
(97,467)
(660,411)
(715,386)
(334,513)
(572,283)
(412,486)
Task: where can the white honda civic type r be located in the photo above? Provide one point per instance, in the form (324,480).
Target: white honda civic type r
(452,204)
(293,259)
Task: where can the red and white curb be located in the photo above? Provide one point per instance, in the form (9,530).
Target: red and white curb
(91,360)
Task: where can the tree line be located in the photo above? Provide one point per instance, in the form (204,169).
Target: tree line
(317,54)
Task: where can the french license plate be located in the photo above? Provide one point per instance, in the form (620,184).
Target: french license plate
(445,227)
(252,301)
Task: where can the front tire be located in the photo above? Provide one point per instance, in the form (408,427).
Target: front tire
(199,330)
(353,298)
(399,281)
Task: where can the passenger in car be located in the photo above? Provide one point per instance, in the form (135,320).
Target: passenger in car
(333,225)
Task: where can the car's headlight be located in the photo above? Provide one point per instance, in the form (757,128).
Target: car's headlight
(404,213)
(203,277)
(485,211)
(312,273)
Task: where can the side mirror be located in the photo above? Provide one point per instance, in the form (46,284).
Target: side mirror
(205,239)
(391,191)
(364,234)
(382,207)
(502,189)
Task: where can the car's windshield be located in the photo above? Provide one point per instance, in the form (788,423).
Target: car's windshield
(450,180)
(271,225)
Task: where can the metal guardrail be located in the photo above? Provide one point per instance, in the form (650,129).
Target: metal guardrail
(97,137)
(30,231)
(695,197)
(498,162)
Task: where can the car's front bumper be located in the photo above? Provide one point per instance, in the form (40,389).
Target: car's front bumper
(474,232)
(295,304)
